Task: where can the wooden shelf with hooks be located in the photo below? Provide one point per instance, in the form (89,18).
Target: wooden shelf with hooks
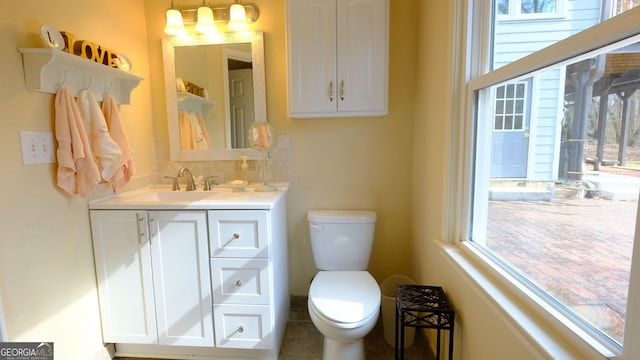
(46,70)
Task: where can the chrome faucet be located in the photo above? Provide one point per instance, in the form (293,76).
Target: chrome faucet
(190,183)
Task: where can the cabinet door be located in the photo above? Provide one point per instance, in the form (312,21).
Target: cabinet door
(337,57)
(123,270)
(362,56)
(181,277)
(311,45)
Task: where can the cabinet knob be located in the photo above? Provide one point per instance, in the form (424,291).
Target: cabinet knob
(241,329)
(235,236)
(238,283)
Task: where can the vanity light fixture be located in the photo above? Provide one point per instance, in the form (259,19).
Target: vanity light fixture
(237,17)
(175,25)
(205,22)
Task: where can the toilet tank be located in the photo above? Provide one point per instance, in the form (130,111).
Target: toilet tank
(341,240)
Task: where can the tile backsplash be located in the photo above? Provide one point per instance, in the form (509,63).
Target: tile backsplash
(224,170)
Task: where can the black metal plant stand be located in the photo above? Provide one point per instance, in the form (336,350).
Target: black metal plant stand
(423,306)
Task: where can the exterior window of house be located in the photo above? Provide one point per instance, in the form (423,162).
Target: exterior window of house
(510,107)
(529,8)
(555,168)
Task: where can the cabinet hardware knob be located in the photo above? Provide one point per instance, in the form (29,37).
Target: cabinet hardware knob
(238,283)
(342,90)
(235,236)
(241,329)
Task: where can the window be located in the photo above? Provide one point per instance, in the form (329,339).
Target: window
(510,107)
(547,124)
(523,9)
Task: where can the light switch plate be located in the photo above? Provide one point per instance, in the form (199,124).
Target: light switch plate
(37,147)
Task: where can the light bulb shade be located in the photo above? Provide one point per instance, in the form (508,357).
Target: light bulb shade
(205,22)
(175,25)
(237,18)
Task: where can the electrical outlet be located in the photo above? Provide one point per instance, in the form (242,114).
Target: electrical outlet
(37,147)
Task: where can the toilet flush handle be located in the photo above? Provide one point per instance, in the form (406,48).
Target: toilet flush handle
(316,227)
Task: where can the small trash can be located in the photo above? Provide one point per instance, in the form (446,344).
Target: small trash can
(388,305)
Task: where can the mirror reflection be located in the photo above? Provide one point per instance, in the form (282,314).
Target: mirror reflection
(215,92)
(215,95)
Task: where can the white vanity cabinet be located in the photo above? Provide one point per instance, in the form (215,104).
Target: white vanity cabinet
(153,276)
(337,54)
(192,279)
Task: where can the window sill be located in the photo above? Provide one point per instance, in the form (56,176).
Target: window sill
(545,329)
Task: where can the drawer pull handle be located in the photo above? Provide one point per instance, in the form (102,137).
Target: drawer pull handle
(238,283)
(235,236)
(241,329)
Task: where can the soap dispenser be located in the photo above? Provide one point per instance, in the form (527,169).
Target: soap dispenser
(245,168)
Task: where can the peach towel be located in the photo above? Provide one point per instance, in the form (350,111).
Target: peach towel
(261,136)
(116,129)
(106,152)
(77,172)
(187,132)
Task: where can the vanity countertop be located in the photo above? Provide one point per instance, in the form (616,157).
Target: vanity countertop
(220,198)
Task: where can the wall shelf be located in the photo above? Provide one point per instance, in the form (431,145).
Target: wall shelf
(193,103)
(46,70)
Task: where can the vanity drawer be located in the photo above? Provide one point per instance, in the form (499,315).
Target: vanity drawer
(242,233)
(243,326)
(240,281)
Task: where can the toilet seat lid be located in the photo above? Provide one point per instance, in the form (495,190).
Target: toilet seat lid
(345,296)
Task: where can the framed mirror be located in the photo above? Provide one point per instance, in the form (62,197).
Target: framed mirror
(215,91)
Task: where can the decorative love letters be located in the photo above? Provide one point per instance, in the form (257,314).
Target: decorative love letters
(90,50)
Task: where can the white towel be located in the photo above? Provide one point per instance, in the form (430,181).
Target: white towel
(116,129)
(77,171)
(106,152)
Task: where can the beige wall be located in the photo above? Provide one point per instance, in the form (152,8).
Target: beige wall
(46,265)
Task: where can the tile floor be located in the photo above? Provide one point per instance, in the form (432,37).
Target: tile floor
(303,342)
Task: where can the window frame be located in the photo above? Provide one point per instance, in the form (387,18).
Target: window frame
(475,75)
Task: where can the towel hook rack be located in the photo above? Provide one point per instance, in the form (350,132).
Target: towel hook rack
(108,92)
(90,81)
(58,86)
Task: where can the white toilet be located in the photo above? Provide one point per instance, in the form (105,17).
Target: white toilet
(344,299)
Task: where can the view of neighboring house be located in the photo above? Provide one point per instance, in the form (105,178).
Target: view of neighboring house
(528,115)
